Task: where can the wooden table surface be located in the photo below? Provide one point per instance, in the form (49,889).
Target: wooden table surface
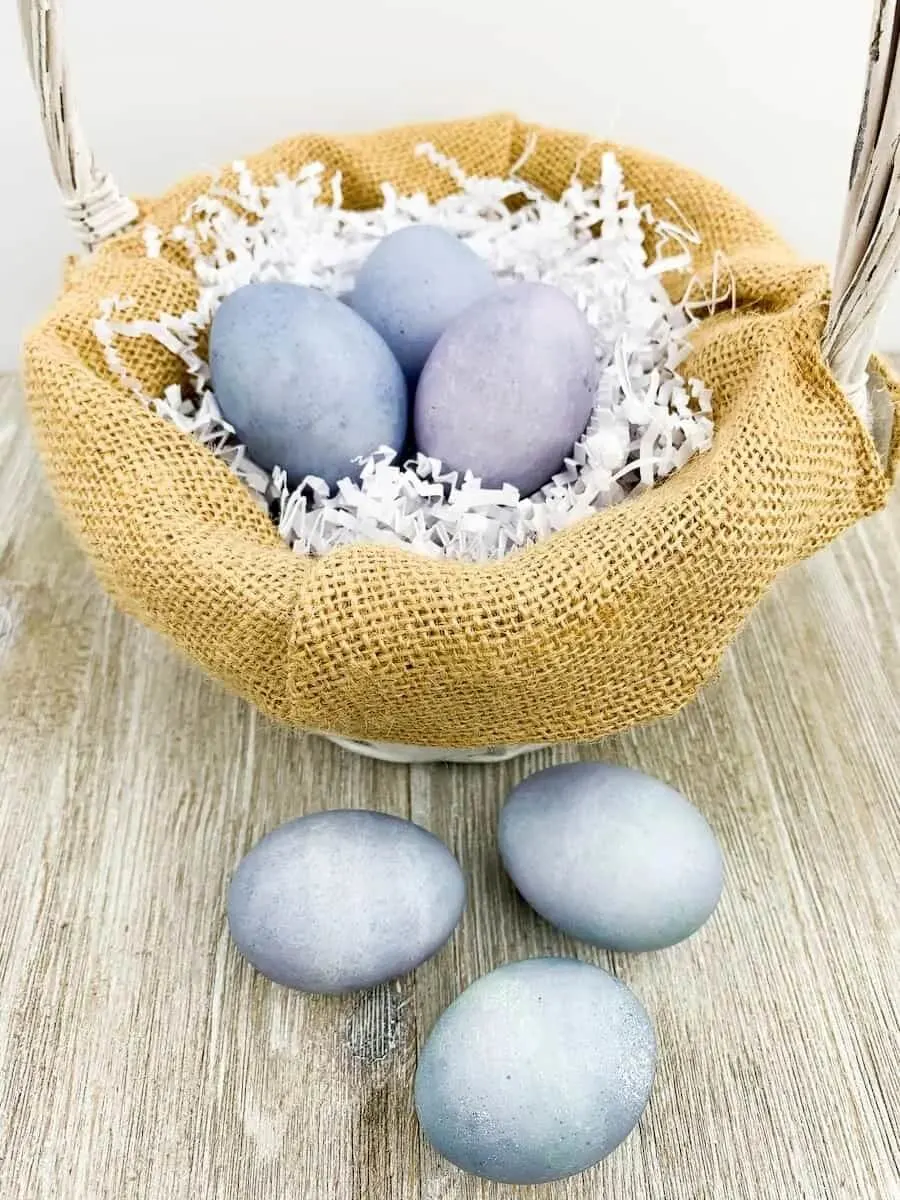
(140,1057)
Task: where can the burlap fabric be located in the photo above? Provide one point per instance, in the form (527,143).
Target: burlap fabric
(616,621)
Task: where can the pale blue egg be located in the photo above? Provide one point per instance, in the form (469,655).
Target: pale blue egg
(610,855)
(307,384)
(412,286)
(344,899)
(536,1071)
(509,388)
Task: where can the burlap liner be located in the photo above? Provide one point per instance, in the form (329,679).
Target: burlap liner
(614,622)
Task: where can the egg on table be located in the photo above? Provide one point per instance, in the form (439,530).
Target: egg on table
(412,286)
(307,384)
(344,899)
(509,387)
(610,855)
(536,1071)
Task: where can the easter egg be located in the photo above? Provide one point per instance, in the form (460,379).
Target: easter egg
(536,1071)
(344,899)
(412,286)
(508,389)
(306,383)
(611,855)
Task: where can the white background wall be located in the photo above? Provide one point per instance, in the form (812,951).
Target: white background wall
(764,96)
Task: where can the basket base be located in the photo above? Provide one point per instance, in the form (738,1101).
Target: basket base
(399,753)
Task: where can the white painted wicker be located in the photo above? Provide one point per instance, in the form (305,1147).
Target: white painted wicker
(868,257)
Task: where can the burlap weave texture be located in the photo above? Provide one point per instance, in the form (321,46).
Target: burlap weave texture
(613,622)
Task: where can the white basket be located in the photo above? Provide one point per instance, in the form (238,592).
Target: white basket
(868,257)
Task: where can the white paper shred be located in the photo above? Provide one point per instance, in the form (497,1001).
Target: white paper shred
(647,420)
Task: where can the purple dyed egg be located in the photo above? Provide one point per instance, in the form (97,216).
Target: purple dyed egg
(508,389)
(346,899)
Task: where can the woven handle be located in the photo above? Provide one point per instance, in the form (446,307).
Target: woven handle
(93,203)
(868,258)
(869,255)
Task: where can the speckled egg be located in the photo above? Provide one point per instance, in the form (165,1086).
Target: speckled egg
(611,855)
(345,899)
(509,388)
(306,383)
(412,286)
(536,1071)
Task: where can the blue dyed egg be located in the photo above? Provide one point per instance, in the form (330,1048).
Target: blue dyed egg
(536,1071)
(306,383)
(412,286)
(611,855)
(509,388)
(346,899)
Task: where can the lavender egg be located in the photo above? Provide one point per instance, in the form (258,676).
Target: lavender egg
(509,388)
(536,1071)
(412,286)
(611,855)
(306,383)
(346,899)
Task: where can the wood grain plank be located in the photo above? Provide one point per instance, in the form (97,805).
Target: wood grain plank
(139,1057)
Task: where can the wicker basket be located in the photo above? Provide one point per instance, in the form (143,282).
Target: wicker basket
(867,261)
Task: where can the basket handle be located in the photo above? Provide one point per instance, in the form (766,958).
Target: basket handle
(868,256)
(94,205)
(869,252)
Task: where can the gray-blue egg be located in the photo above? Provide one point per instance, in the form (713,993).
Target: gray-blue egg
(509,388)
(536,1071)
(345,899)
(306,383)
(412,286)
(611,856)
